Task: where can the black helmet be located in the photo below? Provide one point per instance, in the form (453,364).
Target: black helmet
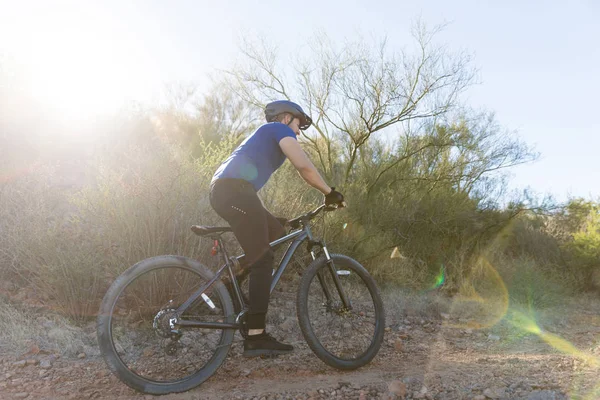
(273,109)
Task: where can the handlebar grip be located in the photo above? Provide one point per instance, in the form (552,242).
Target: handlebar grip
(333,207)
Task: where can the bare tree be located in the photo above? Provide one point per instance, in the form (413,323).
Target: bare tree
(221,113)
(468,151)
(357,90)
(191,119)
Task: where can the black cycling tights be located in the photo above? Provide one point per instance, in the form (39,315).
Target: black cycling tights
(254,227)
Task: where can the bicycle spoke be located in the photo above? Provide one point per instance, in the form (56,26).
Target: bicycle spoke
(141,325)
(345,333)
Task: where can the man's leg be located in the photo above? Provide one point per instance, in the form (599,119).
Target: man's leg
(241,207)
(275,226)
(253,227)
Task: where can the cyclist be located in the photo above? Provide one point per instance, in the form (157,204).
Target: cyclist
(233,195)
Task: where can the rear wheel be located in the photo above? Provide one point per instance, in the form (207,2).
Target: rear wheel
(137,331)
(343,337)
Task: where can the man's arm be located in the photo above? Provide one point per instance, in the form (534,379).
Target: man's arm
(292,149)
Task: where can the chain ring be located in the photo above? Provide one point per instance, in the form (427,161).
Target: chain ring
(162,322)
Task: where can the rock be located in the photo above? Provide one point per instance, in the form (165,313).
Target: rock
(387,329)
(421,394)
(494,338)
(9,286)
(48,324)
(288,324)
(398,345)
(545,395)
(148,352)
(45,364)
(81,356)
(43,373)
(19,364)
(398,388)
(91,351)
(22,395)
(34,349)
(494,393)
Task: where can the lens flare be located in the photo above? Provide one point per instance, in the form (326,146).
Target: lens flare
(484,300)
(487,303)
(528,324)
(440,278)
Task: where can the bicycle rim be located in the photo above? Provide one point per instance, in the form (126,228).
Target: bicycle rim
(343,337)
(140,326)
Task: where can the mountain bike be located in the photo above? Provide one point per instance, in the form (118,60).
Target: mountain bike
(167,323)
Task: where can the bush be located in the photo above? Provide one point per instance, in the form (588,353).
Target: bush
(69,244)
(534,284)
(583,248)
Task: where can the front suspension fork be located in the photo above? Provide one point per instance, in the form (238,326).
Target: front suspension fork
(334,275)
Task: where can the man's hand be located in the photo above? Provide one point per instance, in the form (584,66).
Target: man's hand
(334,197)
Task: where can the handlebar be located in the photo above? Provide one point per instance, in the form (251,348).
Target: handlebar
(295,223)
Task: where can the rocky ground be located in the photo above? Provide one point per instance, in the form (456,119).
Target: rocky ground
(434,356)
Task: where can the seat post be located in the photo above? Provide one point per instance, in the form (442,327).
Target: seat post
(222,250)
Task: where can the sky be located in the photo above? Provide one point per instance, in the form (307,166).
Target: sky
(537,61)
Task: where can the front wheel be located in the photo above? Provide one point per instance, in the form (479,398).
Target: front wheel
(345,334)
(136,326)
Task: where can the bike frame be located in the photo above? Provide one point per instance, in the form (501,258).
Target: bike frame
(296,238)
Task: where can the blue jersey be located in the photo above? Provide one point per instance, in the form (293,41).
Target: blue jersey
(258,156)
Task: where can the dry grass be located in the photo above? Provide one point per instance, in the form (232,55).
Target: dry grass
(22,330)
(402,303)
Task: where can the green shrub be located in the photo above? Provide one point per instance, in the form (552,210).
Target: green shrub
(586,241)
(533,284)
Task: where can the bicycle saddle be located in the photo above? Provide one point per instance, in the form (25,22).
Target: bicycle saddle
(207,230)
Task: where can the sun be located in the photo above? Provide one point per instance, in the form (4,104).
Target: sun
(76,66)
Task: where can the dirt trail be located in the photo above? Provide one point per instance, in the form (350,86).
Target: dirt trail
(422,358)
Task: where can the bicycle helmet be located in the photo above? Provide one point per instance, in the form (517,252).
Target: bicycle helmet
(273,109)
